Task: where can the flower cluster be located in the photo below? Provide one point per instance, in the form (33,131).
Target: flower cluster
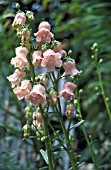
(48,54)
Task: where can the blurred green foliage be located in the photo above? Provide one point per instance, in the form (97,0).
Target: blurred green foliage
(78,24)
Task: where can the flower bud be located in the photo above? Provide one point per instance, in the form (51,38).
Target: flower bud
(70,52)
(26,129)
(30,15)
(96,88)
(53,97)
(101,60)
(69,110)
(75,102)
(17,6)
(25,36)
(37,120)
(92,56)
(80,91)
(28,110)
(107,99)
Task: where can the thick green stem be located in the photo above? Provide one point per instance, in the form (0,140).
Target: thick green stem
(47,140)
(103,92)
(85,133)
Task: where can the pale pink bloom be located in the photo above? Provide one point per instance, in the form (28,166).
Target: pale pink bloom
(23,90)
(16,77)
(37,58)
(19,20)
(68,92)
(51,59)
(21,51)
(44,35)
(36,96)
(37,120)
(69,110)
(70,68)
(20,62)
(58,48)
(43,79)
(70,86)
(44,24)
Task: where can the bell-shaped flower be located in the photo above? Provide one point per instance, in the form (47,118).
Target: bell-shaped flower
(70,68)
(16,77)
(44,24)
(68,92)
(19,20)
(44,35)
(36,96)
(23,90)
(51,60)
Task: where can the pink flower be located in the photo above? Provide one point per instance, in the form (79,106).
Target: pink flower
(19,20)
(51,59)
(36,96)
(37,120)
(44,24)
(20,62)
(68,92)
(58,48)
(44,35)
(69,110)
(70,68)
(37,58)
(16,77)
(21,51)
(23,90)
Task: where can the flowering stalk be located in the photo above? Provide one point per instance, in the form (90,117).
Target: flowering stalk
(47,139)
(46,53)
(66,134)
(83,128)
(97,64)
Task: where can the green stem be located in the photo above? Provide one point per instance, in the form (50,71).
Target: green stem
(103,91)
(47,140)
(69,149)
(66,135)
(85,133)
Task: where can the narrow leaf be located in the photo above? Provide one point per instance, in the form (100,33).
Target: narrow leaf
(77,124)
(43,153)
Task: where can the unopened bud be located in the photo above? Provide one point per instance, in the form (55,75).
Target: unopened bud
(92,56)
(96,88)
(26,129)
(19,34)
(30,15)
(53,97)
(69,110)
(101,60)
(75,102)
(80,91)
(17,6)
(70,52)
(107,99)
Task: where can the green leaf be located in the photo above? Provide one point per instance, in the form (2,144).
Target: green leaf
(4,16)
(77,124)
(43,153)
